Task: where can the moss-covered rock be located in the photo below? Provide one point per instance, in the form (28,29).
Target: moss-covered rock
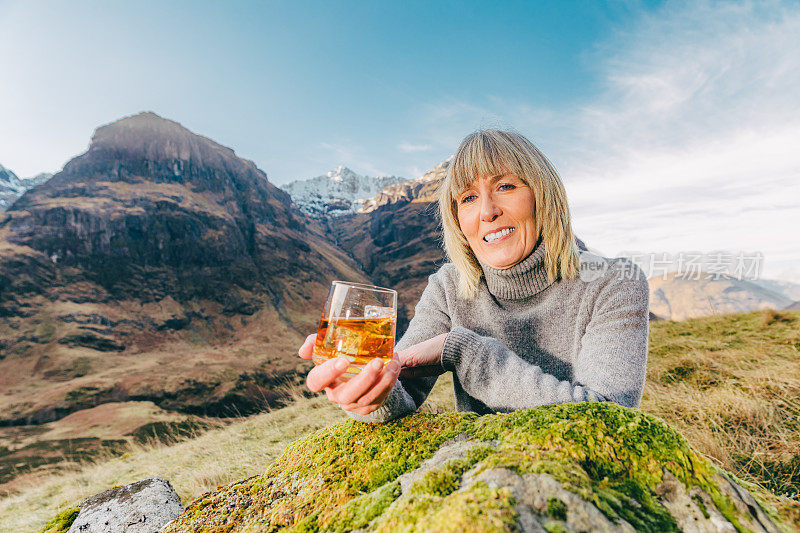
(573,467)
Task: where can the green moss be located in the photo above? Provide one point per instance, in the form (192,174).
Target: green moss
(345,477)
(62,521)
(621,453)
(361,510)
(557,509)
(555,527)
(479,509)
(701,504)
(447,478)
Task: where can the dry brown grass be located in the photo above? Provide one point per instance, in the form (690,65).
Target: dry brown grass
(729,383)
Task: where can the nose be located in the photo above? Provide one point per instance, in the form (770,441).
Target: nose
(489,209)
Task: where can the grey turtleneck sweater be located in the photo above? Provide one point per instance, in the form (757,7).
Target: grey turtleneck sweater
(524,341)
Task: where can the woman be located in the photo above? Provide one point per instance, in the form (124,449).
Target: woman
(510,315)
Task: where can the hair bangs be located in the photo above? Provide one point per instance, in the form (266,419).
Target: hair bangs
(482,154)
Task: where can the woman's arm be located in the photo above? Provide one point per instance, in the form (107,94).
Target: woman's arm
(430,319)
(610,365)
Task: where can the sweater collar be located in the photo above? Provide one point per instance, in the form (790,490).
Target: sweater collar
(523,280)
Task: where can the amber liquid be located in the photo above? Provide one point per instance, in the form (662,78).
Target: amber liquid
(358,339)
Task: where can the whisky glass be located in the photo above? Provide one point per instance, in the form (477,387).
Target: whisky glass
(358,322)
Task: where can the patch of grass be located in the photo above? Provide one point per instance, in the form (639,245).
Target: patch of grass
(80,367)
(45,332)
(169,432)
(62,521)
(51,452)
(731,385)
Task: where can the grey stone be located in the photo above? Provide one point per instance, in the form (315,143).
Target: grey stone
(456,448)
(532,493)
(142,507)
(685,507)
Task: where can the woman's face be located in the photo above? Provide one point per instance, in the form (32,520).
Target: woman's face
(496,217)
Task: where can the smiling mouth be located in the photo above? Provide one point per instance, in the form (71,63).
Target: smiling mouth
(498,235)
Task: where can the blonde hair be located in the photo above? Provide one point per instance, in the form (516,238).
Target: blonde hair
(488,153)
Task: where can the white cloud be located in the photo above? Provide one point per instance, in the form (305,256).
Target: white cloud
(692,144)
(410,148)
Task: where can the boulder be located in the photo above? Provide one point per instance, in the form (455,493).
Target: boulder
(572,467)
(142,507)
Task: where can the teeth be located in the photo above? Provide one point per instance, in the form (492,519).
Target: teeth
(496,235)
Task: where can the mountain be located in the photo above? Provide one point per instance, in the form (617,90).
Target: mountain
(422,189)
(338,192)
(157,266)
(38,179)
(397,238)
(785,288)
(678,297)
(12,187)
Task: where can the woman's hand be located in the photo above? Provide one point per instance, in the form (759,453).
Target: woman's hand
(423,359)
(363,393)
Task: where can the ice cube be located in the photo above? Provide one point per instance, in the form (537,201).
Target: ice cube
(345,341)
(376,311)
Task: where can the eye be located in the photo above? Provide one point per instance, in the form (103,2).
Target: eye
(510,186)
(467,198)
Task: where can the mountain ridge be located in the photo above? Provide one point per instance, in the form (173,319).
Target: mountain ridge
(338,192)
(12,186)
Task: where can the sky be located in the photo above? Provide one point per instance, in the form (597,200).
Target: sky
(675,126)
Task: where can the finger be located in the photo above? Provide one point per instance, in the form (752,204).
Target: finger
(325,374)
(377,395)
(360,384)
(382,388)
(307,349)
(361,410)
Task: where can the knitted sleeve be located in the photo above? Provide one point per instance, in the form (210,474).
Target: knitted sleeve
(430,319)
(610,365)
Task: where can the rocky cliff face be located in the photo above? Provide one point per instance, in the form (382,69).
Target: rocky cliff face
(340,191)
(423,189)
(156,241)
(571,467)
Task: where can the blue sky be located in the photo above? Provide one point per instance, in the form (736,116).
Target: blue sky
(675,125)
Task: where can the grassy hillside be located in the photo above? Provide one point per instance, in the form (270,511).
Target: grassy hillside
(730,383)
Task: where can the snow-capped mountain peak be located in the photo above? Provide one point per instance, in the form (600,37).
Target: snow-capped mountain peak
(337,192)
(12,187)
(341,173)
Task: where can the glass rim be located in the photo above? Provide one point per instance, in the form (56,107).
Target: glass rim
(363,286)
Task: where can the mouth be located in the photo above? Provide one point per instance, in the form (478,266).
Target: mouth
(498,235)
